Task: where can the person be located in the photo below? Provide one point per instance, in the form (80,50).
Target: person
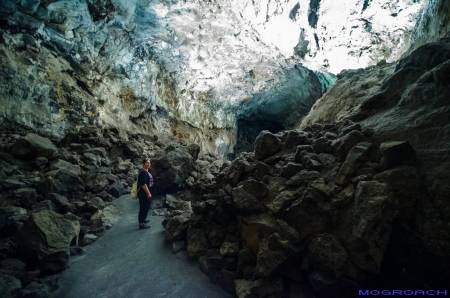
(145,183)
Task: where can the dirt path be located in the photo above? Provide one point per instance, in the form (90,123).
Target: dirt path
(128,262)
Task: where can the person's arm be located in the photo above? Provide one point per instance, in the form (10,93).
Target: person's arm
(145,188)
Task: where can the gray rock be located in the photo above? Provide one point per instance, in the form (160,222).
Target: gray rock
(303,178)
(176,226)
(295,138)
(70,180)
(54,263)
(96,182)
(88,239)
(178,245)
(356,157)
(106,217)
(116,189)
(259,288)
(245,202)
(229,249)
(344,144)
(197,243)
(33,145)
(291,169)
(327,254)
(46,232)
(266,144)
(395,153)
(12,184)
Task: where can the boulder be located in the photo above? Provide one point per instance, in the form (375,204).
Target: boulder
(96,182)
(58,164)
(266,144)
(116,189)
(245,202)
(106,217)
(170,168)
(176,226)
(47,232)
(327,254)
(50,185)
(356,157)
(197,243)
(343,145)
(54,263)
(367,227)
(32,146)
(70,180)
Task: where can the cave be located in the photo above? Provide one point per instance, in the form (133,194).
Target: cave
(294,149)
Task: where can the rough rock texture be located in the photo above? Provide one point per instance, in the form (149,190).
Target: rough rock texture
(410,105)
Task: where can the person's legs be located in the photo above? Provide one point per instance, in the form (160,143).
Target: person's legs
(144,205)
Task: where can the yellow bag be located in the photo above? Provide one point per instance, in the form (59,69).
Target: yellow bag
(134,191)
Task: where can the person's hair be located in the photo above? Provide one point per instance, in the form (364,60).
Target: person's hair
(145,160)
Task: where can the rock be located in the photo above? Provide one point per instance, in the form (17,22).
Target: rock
(193,150)
(221,262)
(44,205)
(54,263)
(88,239)
(197,243)
(50,185)
(124,166)
(46,232)
(327,254)
(299,149)
(13,267)
(32,146)
(291,169)
(116,189)
(259,288)
(255,188)
(261,170)
(9,285)
(366,230)
(395,153)
(226,280)
(321,145)
(12,184)
(70,180)
(295,138)
(320,280)
(356,157)
(11,220)
(246,203)
(176,226)
(272,255)
(229,249)
(344,144)
(96,182)
(178,245)
(266,144)
(26,197)
(171,168)
(344,197)
(39,163)
(106,217)
(303,178)
(216,235)
(284,199)
(62,164)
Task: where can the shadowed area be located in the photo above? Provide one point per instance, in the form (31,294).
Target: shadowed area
(128,262)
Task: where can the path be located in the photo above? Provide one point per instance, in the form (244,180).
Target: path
(128,262)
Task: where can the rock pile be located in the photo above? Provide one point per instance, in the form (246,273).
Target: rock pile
(307,209)
(56,197)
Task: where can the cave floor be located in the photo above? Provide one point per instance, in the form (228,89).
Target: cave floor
(128,262)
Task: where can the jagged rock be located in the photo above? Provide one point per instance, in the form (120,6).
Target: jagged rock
(11,219)
(272,255)
(344,144)
(54,263)
(259,288)
(357,156)
(91,159)
(216,235)
(193,150)
(88,239)
(245,260)
(367,228)
(171,168)
(50,185)
(229,249)
(26,197)
(12,184)
(344,197)
(295,138)
(221,262)
(44,205)
(261,170)
(106,217)
(320,280)
(116,189)
(226,280)
(96,182)
(266,144)
(33,145)
(9,285)
(395,153)
(303,178)
(291,169)
(176,226)
(327,254)
(35,289)
(70,180)
(284,199)
(245,202)
(62,164)
(197,243)
(321,145)
(255,188)
(46,232)
(13,267)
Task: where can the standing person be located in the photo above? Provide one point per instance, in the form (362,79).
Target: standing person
(145,182)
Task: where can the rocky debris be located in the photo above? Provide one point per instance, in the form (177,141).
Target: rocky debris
(325,206)
(56,197)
